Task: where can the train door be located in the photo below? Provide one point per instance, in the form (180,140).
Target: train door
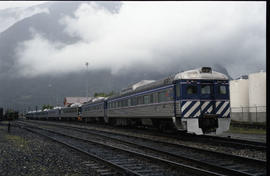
(208,120)
(189,102)
(177,112)
(106,119)
(222,104)
(207,97)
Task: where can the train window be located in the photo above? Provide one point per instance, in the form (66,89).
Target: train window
(146,99)
(124,103)
(177,90)
(134,101)
(129,102)
(140,100)
(119,104)
(205,89)
(191,89)
(222,90)
(151,98)
(155,97)
(169,94)
(161,96)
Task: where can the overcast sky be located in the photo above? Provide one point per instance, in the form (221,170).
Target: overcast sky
(154,35)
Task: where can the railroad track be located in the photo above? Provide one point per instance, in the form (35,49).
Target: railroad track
(130,162)
(207,139)
(229,142)
(213,161)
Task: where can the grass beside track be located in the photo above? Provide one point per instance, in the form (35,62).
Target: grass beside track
(247,130)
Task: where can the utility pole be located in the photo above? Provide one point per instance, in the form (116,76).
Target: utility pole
(87,88)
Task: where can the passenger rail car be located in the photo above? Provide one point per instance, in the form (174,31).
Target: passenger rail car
(195,101)
(94,110)
(54,114)
(70,113)
(41,115)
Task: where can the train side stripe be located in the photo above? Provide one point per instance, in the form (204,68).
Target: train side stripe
(207,108)
(210,110)
(185,104)
(205,104)
(197,114)
(185,110)
(225,109)
(222,107)
(195,110)
(219,104)
(226,114)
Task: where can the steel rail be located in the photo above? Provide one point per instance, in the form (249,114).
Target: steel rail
(217,168)
(172,164)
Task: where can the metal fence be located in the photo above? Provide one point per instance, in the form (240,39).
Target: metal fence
(249,114)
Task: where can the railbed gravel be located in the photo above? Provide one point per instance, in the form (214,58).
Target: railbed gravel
(25,153)
(150,135)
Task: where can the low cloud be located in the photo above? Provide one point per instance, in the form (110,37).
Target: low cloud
(158,36)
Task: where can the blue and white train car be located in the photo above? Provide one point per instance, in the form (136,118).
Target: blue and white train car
(54,114)
(94,110)
(40,115)
(202,96)
(70,113)
(196,101)
(30,115)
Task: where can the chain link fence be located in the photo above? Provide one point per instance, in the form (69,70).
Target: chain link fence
(249,114)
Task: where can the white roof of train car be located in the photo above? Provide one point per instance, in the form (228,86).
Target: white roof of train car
(198,74)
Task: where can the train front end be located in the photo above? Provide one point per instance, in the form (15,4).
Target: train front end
(202,97)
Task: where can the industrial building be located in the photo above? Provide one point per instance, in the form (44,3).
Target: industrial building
(248,98)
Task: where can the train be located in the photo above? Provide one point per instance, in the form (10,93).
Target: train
(195,101)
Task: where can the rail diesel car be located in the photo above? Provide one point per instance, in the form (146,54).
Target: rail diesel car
(196,101)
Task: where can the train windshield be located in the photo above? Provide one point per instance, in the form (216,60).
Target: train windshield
(188,90)
(222,90)
(205,89)
(191,89)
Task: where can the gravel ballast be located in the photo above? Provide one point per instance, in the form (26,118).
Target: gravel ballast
(25,153)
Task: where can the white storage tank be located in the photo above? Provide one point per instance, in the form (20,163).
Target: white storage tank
(239,93)
(257,97)
(239,99)
(257,89)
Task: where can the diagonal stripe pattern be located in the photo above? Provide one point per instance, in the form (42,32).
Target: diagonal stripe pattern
(223,108)
(190,108)
(196,108)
